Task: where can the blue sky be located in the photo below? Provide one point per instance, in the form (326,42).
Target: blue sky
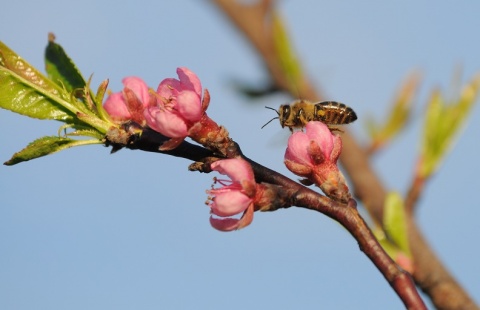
(84,229)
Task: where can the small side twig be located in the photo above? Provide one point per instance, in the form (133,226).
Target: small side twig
(414,193)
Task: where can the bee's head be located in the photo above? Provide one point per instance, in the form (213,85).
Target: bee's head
(276,117)
(284,113)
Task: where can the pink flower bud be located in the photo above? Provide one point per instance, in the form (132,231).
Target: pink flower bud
(237,195)
(130,103)
(313,154)
(179,112)
(178,106)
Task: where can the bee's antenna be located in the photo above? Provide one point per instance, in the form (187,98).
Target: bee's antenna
(269,122)
(272,118)
(273,110)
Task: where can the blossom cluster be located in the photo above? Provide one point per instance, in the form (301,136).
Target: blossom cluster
(176,109)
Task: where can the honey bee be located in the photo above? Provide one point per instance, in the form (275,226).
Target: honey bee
(300,112)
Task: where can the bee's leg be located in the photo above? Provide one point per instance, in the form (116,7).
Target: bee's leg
(303,119)
(332,129)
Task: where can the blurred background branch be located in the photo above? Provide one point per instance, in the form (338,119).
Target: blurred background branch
(255,22)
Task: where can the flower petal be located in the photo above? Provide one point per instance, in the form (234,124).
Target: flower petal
(189,106)
(229,224)
(228,203)
(168,87)
(139,88)
(116,108)
(189,80)
(297,149)
(225,224)
(236,169)
(165,122)
(319,132)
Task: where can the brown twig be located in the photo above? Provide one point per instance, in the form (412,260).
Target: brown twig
(431,276)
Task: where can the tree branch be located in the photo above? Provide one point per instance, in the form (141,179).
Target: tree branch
(297,195)
(432,277)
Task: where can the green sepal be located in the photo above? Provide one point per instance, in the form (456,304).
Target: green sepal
(288,61)
(443,122)
(61,69)
(395,222)
(16,64)
(102,89)
(46,146)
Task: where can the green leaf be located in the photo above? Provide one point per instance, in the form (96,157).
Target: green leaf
(21,96)
(398,116)
(87,133)
(61,69)
(386,244)
(288,61)
(25,91)
(80,130)
(16,64)
(46,146)
(443,122)
(403,259)
(394,221)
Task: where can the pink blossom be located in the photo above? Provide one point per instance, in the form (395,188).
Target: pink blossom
(180,111)
(178,106)
(237,195)
(313,154)
(129,103)
(298,149)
